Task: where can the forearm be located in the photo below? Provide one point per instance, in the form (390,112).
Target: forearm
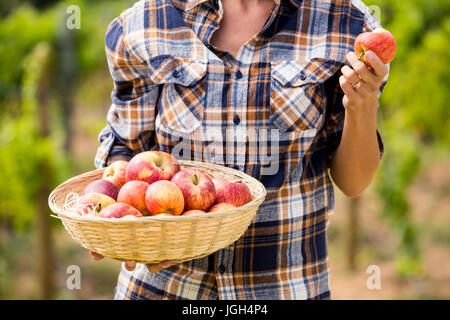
(358,156)
(133,101)
(112,149)
(119,152)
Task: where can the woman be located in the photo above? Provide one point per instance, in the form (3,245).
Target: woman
(269,87)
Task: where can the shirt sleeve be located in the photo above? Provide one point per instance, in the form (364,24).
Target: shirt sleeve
(335,111)
(130,120)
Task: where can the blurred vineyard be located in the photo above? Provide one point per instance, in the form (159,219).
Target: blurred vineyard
(54,95)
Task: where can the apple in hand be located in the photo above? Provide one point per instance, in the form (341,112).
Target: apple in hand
(103,186)
(380,41)
(197,188)
(221,207)
(193,212)
(235,193)
(133,193)
(164,197)
(93,203)
(151,166)
(116,172)
(119,210)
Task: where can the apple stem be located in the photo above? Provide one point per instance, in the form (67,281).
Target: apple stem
(195,179)
(362,54)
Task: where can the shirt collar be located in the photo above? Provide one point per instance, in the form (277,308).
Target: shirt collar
(191,4)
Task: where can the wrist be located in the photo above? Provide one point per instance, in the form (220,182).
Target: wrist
(113,159)
(364,117)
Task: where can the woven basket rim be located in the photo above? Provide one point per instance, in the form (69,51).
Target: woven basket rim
(162,218)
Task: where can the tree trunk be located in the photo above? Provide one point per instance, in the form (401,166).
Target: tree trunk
(43,217)
(67,71)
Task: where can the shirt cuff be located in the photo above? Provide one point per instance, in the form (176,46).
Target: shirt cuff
(110,149)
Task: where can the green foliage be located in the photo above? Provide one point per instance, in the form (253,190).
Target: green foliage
(417,94)
(30,46)
(49,26)
(400,166)
(415,112)
(23,150)
(15,44)
(90,38)
(31,40)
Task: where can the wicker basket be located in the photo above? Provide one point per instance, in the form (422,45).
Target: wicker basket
(156,238)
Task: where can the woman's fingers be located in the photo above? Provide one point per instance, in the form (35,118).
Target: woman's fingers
(351,75)
(156,267)
(347,87)
(96,256)
(130,265)
(363,71)
(379,68)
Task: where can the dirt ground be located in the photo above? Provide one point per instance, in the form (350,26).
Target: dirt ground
(430,201)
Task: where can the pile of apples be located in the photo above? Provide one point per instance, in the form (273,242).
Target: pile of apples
(152,183)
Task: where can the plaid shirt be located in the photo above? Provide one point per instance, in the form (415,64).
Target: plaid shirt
(274,111)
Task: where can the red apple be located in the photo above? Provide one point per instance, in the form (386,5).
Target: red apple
(151,166)
(133,193)
(380,41)
(103,186)
(164,197)
(197,188)
(119,210)
(116,172)
(209,175)
(236,193)
(93,203)
(193,212)
(221,207)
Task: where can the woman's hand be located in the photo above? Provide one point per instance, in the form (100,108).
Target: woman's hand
(357,158)
(131,265)
(361,83)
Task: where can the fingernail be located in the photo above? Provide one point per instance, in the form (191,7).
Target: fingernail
(166,264)
(130,265)
(369,55)
(95,255)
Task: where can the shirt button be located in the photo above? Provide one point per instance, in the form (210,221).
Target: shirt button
(236,119)
(303,75)
(175,74)
(222,269)
(239,74)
